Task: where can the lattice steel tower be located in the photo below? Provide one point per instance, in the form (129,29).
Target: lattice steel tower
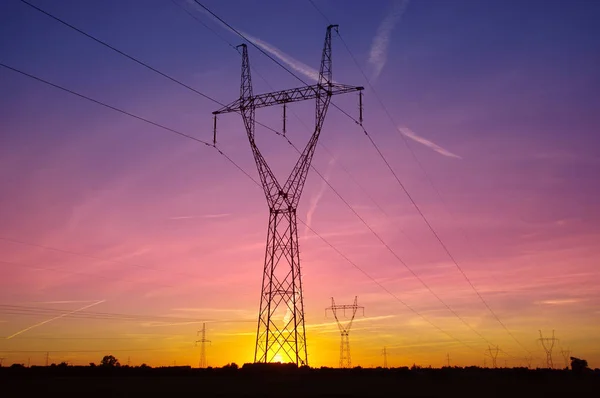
(548,344)
(202,341)
(344,325)
(280,335)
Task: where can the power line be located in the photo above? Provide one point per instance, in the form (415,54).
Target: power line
(243,171)
(250,41)
(385,160)
(79,273)
(438,238)
(117,50)
(206,143)
(104,104)
(295,114)
(19,310)
(145,267)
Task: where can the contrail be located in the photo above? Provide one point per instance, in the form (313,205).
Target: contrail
(410,134)
(290,61)
(55,318)
(315,199)
(381,41)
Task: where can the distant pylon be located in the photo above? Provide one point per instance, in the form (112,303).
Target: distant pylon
(528,361)
(202,341)
(548,344)
(384,353)
(448,359)
(345,359)
(566,356)
(493,355)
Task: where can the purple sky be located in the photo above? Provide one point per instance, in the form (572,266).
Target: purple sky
(498,102)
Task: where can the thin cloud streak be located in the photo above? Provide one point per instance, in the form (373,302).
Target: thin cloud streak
(423,141)
(53,319)
(314,201)
(381,41)
(290,61)
(219,215)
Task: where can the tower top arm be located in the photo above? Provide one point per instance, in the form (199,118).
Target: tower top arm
(286,96)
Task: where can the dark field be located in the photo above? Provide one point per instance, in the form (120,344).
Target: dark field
(289,382)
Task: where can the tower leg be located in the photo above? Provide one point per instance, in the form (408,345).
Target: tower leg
(281,332)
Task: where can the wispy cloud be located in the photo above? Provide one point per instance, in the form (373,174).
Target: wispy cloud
(413,136)
(560,301)
(314,201)
(219,215)
(381,41)
(290,61)
(53,319)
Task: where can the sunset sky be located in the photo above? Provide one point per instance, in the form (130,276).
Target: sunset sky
(119,237)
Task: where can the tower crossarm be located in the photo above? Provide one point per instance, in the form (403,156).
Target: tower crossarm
(287,96)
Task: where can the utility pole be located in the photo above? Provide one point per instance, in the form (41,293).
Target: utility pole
(385,362)
(493,355)
(281,331)
(344,326)
(202,341)
(566,356)
(548,344)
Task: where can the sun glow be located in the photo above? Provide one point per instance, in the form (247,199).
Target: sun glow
(277,358)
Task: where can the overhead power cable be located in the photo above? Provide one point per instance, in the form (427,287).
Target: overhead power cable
(436,235)
(256,182)
(397,179)
(352,118)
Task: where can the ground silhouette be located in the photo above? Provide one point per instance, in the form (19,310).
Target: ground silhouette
(277,380)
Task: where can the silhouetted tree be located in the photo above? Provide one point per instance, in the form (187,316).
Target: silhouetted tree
(92,365)
(232,366)
(110,361)
(578,365)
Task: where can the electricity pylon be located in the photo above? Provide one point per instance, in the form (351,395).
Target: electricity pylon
(528,361)
(548,344)
(384,353)
(344,325)
(566,356)
(280,336)
(202,341)
(493,355)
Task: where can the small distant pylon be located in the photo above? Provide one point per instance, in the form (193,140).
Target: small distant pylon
(494,355)
(548,344)
(528,361)
(385,362)
(448,359)
(566,356)
(345,359)
(202,341)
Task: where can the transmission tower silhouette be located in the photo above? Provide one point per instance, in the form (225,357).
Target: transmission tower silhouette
(448,359)
(202,341)
(281,334)
(528,361)
(385,362)
(344,325)
(566,356)
(494,355)
(548,344)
